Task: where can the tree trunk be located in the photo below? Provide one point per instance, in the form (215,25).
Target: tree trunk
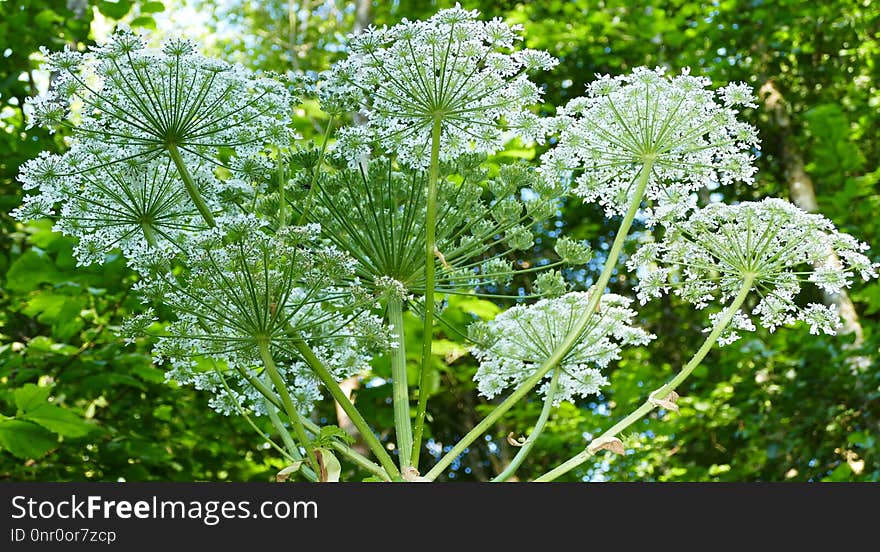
(803,194)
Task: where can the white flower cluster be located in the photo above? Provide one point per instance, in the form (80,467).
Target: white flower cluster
(518,341)
(686,133)
(125,206)
(772,243)
(453,69)
(140,100)
(376,213)
(130,110)
(243,288)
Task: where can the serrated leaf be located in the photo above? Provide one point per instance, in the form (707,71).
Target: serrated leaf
(330,432)
(30,397)
(25,439)
(59,420)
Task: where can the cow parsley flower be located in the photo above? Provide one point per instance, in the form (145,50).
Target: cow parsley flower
(140,100)
(376,214)
(686,134)
(451,69)
(129,207)
(770,243)
(244,289)
(518,341)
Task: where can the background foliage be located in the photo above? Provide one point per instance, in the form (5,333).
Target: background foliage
(76,403)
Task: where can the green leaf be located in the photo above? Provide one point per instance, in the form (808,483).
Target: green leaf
(29,271)
(115,9)
(46,18)
(329,433)
(152,7)
(144,21)
(163,412)
(30,397)
(486,310)
(57,419)
(25,440)
(148,373)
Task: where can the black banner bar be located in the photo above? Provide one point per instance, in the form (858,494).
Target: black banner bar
(134,516)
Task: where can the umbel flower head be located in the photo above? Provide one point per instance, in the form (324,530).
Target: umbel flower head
(453,69)
(688,134)
(246,289)
(137,102)
(771,243)
(131,206)
(518,341)
(376,214)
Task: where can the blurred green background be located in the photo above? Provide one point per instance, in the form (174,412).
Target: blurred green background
(76,403)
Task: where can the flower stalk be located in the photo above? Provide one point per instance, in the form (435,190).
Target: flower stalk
(571,338)
(339,395)
(428,328)
(191,188)
(661,393)
(287,401)
(526,448)
(400,387)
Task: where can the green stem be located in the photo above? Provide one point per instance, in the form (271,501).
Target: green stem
(348,452)
(314,429)
(150,235)
(282,431)
(282,203)
(661,393)
(428,333)
(536,433)
(287,401)
(570,340)
(400,387)
(292,454)
(315,171)
(339,395)
(191,188)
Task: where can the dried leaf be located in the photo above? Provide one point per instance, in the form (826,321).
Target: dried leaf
(329,466)
(284,474)
(411,475)
(612,444)
(668,403)
(514,442)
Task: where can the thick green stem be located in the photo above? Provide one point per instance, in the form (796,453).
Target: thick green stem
(287,401)
(150,235)
(400,388)
(526,448)
(661,393)
(430,247)
(316,170)
(191,188)
(339,395)
(570,340)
